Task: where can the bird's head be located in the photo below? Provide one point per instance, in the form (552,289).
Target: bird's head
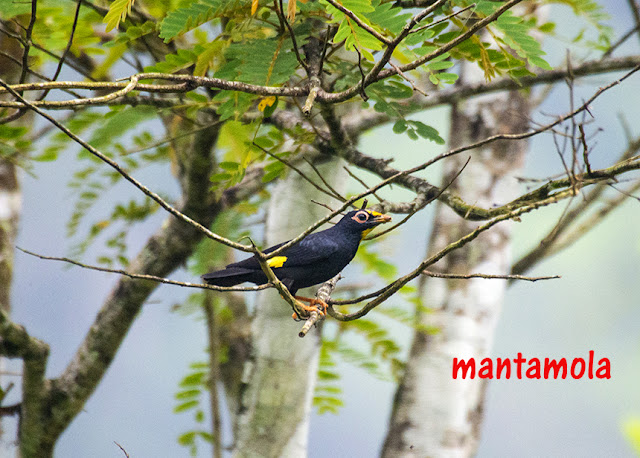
(363,221)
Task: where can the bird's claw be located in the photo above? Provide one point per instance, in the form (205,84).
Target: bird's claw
(312,307)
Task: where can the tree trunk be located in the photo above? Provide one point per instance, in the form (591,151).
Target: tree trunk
(433,414)
(10,200)
(280,374)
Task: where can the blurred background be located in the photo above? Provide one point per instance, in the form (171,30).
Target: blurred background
(595,306)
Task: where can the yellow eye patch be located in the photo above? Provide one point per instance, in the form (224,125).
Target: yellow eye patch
(276,261)
(373,213)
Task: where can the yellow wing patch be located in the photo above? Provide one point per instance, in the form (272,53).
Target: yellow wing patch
(276,261)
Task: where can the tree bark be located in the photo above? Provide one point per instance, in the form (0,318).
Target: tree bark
(433,414)
(10,200)
(280,374)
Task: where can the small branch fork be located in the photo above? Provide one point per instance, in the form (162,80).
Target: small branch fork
(323,294)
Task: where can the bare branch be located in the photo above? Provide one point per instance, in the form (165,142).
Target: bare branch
(67,48)
(128,177)
(323,294)
(188,82)
(283,19)
(472,212)
(148,277)
(27,41)
(392,288)
(636,13)
(330,192)
(488,276)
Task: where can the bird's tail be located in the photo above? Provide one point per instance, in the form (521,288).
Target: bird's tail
(230,276)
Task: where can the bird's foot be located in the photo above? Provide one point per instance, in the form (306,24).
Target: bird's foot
(312,307)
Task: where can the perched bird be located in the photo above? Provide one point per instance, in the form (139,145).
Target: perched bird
(315,259)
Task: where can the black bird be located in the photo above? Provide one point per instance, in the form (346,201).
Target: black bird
(315,259)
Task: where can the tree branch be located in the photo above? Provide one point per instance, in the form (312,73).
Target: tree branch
(392,288)
(323,294)
(354,17)
(152,278)
(169,208)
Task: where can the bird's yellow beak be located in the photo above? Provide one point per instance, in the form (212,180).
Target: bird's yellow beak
(380,217)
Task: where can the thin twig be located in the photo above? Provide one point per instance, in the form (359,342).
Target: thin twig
(169,208)
(359,180)
(283,18)
(323,294)
(323,205)
(122,448)
(407,79)
(28,42)
(488,276)
(392,288)
(325,182)
(444,19)
(350,14)
(585,149)
(421,204)
(363,92)
(67,48)
(299,172)
(147,277)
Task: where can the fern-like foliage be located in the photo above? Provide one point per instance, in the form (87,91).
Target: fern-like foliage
(190,398)
(264,61)
(117,12)
(197,13)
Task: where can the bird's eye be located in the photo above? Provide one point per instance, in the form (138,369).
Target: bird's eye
(362,217)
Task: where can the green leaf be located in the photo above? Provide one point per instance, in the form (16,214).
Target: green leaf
(186,406)
(117,12)
(195,378)
(427,132)
(440,65)
(187,438)
(187,394)
(326,375)
(49,154)
(270,109)
(540,62)
(400,126)
(387,16)
(265,61)
(197,13)
(448,78)
(373,262)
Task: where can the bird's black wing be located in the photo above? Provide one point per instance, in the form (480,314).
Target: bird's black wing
(317,247)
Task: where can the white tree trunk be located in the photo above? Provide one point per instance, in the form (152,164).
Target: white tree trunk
(435,415)
(280,375)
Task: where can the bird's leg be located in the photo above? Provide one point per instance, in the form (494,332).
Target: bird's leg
(313,305)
